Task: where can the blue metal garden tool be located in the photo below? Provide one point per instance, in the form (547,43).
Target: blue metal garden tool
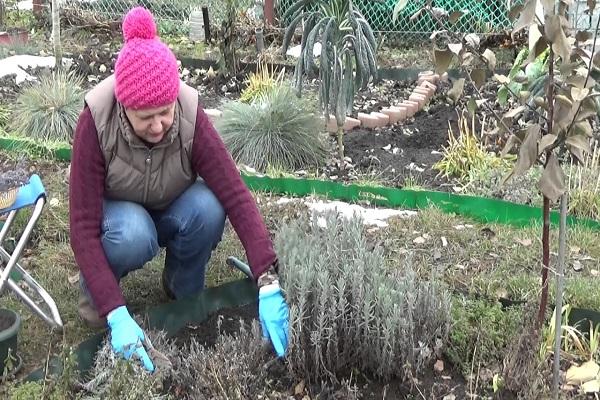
(33,194)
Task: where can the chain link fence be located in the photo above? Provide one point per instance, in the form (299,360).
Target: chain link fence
(163,10)
(480,16)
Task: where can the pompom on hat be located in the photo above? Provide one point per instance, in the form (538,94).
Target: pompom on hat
(146,71)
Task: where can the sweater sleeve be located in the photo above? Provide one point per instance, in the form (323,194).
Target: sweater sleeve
(86,194)
(213,163)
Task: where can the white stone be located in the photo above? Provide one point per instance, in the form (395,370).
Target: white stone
(295,51)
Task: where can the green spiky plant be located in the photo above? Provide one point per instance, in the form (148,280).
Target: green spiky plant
(48,110)
(347,61)
(278,129)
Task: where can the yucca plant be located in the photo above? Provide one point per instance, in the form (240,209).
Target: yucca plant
(278,130)
(347,61)
(48,110)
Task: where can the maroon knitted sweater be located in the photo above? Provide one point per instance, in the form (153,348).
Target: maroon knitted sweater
(211,161)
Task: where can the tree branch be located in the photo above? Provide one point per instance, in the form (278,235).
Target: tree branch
(531,108)
(489,108)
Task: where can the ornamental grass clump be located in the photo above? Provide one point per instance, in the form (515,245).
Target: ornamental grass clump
(278,129)
(260,83)
(584,185)
(48,110)
(465,152)
(347,311)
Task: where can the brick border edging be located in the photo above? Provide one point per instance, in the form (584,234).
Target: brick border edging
(418,99)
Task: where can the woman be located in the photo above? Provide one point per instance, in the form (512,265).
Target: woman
(141,143)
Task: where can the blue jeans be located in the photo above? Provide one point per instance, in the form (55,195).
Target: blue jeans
(190,229)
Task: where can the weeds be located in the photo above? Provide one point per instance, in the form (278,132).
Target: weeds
(575,343)
(49,110)
(278,129)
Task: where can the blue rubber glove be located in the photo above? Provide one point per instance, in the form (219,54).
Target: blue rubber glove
(274,317)
(126,336)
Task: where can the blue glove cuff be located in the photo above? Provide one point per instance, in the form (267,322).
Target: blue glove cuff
(117,315)
(269,290)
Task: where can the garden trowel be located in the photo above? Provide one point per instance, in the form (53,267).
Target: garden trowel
(160,361)
(240,265)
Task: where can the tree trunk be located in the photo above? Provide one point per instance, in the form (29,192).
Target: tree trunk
(546,229)
(56,33)
(560,280)
(340,143)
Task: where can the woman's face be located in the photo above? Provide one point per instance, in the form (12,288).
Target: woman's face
(151,124)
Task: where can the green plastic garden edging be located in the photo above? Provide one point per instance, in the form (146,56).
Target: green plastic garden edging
(169,317)
(482,209)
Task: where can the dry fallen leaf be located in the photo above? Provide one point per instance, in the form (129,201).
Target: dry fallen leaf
(449,397)
(592,386)
(444,241)
(594,272)
(73,279)
(584,373)
(419,240)
(438,366)
(525,242)
(299,388)
(577,266)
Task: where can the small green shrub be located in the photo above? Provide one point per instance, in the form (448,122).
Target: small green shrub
(481,330)
(347,312)
(17,48)
(278,129)
(488,182)
(48,110)
(26,391)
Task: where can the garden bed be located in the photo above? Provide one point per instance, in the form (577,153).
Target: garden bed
(437,382)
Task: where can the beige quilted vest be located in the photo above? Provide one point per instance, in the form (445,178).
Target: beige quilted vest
(153,177)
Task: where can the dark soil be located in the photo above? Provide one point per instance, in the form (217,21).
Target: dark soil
(207,332)
(403,150)
(6,320)
(432,384)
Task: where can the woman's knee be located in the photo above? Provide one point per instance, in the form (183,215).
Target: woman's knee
(128,236)
(204,210)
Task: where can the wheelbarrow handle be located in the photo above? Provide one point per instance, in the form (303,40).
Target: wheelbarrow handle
(240,265)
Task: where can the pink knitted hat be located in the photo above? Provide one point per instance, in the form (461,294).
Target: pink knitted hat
(146,70)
